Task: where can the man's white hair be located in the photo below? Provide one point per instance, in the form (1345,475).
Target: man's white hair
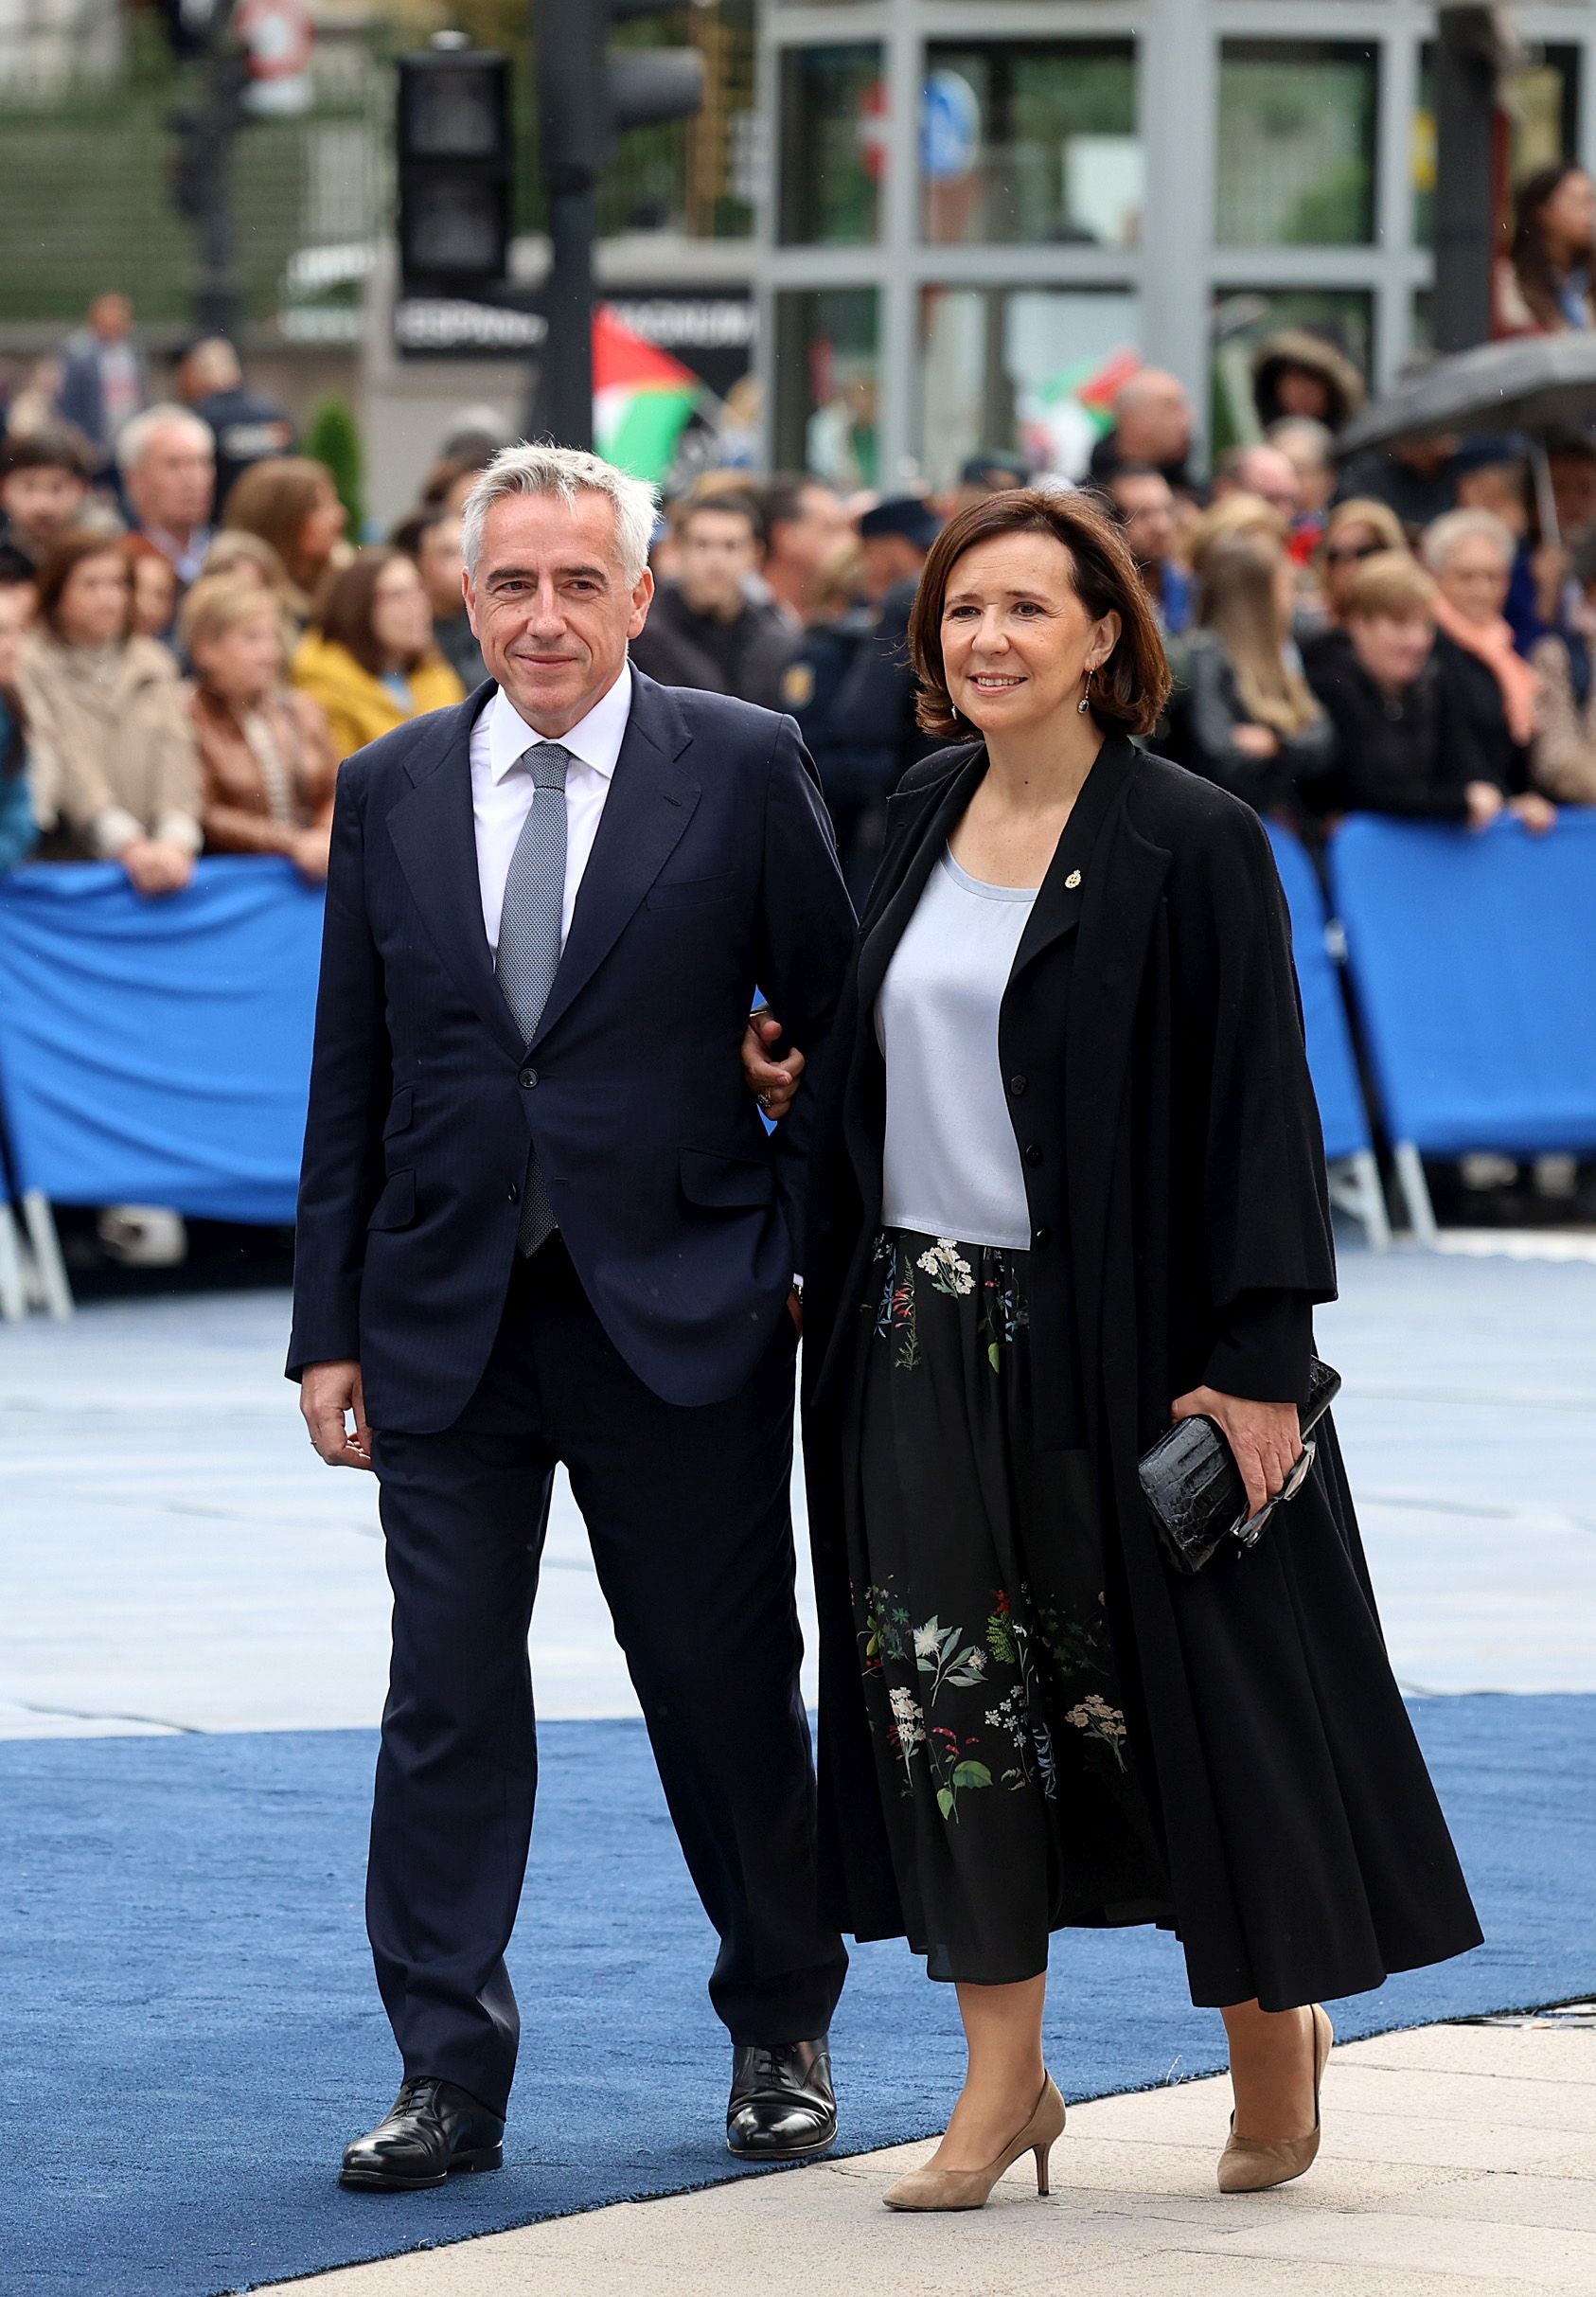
(133,439)
(565,471)
(1455,527)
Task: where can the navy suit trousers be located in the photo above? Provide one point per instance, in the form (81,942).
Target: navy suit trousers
(687,1508)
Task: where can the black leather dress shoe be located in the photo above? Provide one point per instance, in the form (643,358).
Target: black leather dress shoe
(781,2106)
(433,2129)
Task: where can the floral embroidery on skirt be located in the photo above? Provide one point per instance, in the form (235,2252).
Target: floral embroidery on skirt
(988,1668)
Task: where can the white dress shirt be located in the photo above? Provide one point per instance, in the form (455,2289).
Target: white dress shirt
(502,790)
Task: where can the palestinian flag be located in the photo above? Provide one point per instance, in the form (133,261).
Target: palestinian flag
(642,398)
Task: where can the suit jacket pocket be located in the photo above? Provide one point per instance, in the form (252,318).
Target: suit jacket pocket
(688,893)
(396,1206)
(729,1184)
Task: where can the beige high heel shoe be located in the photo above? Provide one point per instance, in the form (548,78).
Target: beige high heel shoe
(972,2188)
(1253,2164)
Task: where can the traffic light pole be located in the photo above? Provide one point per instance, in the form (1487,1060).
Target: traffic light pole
(561,399)
(216,295)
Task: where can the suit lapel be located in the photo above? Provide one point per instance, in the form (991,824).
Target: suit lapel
(650,801)
(433,832)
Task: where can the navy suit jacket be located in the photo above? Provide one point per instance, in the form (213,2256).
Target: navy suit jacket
(712,871)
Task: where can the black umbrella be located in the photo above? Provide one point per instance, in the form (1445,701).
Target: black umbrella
(1538,385)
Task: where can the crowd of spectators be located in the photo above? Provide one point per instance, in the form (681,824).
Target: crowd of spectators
(192,641)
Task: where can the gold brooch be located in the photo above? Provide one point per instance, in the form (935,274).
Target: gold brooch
(1072,881)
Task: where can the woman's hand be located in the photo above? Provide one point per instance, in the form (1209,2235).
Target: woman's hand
(1264,1438)
(309,856)
(773,1084)
(1256,741)
(156,868)
(1539,814)
(1484,802)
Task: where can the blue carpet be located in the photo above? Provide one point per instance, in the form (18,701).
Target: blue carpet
(191,2030)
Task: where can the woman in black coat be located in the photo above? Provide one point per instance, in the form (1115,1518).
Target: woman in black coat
(1027,1720)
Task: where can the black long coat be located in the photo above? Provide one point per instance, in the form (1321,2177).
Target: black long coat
(1175,1176)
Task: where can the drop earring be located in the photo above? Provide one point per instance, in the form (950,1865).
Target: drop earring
(1084,702)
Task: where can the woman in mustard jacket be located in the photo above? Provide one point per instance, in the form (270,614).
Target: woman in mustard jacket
(369,658)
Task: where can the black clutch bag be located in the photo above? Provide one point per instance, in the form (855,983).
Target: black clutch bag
(1194,1487)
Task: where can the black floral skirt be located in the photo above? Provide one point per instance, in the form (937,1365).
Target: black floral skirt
(1012,1804)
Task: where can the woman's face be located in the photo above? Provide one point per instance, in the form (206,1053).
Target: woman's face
(1475,578)
(1016,639)
(244,663)
(401,621)
(323,529)
(95,603)
(154,585)
(1393,649)
(1344,553)
(1302,392)
(1568,218)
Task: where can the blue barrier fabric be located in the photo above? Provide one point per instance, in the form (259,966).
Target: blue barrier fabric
(1474,963)
(1331,1059)
(159,1052)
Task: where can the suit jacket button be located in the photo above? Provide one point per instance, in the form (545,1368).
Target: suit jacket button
(1017,1086)
(1034,1153)
(528,1077)
(513,1193)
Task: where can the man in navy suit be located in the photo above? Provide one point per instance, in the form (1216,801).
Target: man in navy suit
(518,1245)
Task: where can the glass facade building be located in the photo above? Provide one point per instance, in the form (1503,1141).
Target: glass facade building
(977,213)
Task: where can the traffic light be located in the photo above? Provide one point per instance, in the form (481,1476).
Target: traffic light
(453,162)
(588,96)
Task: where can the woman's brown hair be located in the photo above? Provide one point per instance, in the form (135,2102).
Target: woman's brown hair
(1129,692)
(346,612)
(61,562)
(273,499)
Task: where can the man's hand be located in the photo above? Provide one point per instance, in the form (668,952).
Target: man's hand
(1264,1438)
(327,1392)
(773,1084)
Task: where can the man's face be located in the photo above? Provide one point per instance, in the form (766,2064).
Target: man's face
(809,542)
(41,504)
(1147,511)
(173,483)
(111,318)
(1267,472)
(552,606)
(888,559)
(443,568)
(1157,427)
(1573,491)
(716,554)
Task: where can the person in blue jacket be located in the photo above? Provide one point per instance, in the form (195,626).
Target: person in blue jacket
(18,830)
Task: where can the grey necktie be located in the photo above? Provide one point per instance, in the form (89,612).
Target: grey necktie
(529,935)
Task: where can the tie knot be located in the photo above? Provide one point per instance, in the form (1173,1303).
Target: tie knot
(547,762)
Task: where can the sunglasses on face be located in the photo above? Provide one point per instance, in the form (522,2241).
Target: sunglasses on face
(1348,554)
